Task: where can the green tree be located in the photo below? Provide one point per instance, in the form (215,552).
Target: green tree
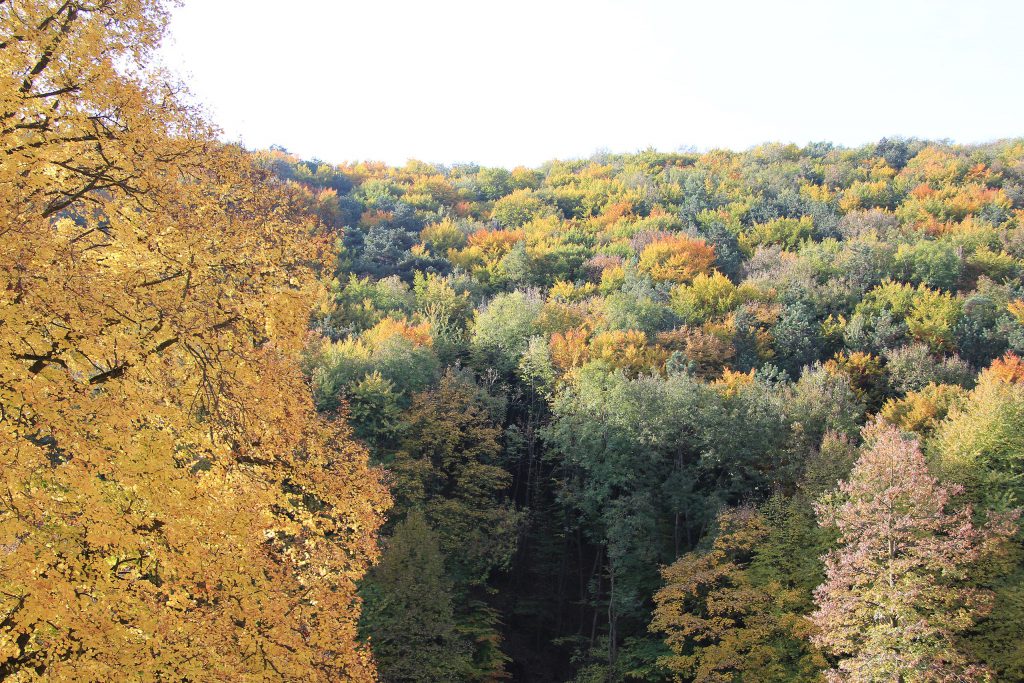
(519,208)
(980,444)
(934,263)
(450,464)
(408,615)
(503,330)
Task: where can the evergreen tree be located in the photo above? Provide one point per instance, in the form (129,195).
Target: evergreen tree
(408,614)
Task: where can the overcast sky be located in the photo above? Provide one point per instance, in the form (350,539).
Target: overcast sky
(507,83)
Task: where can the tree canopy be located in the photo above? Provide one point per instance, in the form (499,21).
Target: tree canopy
(570,423)
(172,503)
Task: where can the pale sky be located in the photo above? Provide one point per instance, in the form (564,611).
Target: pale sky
(507,83)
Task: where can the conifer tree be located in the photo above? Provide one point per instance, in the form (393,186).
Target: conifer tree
(408,613)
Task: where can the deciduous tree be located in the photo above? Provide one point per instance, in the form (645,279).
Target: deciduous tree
(171,504)
(895,599)
(721,623)
(409,616)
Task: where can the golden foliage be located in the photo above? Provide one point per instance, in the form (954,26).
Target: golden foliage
(865,195)
(495,243)
(732,382)
(709,296)
(627,350)
(708,347)
(1008,369)
(613,213)
(676,258)
(612,278)
(863,370)
(789,233)
(1016,308)
(418,334)
(170,503)
(921,411)
(569,349)
(718,622)
(443,236)
(570,291)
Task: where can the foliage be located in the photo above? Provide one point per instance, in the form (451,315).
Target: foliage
(676,259)
(408,616)
(721,623)
(503,329)
(656,336)
(173,506)
(894,601)
(981,442)
(449,465)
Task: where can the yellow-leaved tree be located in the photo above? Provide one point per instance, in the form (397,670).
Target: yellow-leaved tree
(171,505)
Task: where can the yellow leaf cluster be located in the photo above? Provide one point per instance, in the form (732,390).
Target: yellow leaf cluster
(676,258)
(170,503)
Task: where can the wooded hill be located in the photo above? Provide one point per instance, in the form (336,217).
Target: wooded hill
(615,396)
(711,416)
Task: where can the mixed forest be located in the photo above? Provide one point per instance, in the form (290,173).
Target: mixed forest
(698,416)
(615,398)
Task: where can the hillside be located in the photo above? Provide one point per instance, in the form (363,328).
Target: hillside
(576,373)
(700,416)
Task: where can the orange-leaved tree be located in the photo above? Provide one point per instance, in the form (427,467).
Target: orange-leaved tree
(676,258)
(171,505)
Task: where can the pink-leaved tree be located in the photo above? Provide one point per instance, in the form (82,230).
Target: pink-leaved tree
(897,592)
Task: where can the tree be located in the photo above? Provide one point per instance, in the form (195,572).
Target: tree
(450,465)
(721,623)
(645,463)
(920,411)
(503,330)
(493,183)
(980,444)
(172,505)
(787,232)
(796,340)
(707,297)
(408,615)
(934,263)
(519,208)
(912,368)
(934,318)
(676,258)
(895,599)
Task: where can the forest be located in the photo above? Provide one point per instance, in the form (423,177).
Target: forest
(704,416)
